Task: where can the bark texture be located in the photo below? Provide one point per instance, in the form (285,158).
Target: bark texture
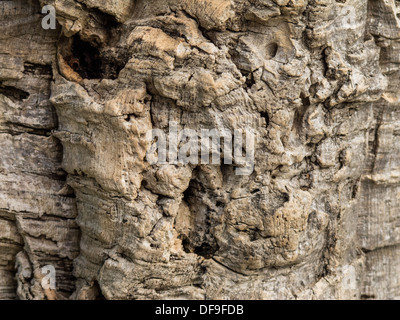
(318,82)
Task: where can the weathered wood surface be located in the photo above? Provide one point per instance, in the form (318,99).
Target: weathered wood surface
(318,81)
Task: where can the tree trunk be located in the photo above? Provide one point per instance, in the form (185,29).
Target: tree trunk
(316,83)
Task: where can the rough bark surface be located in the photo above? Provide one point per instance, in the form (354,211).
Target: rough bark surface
(318,82)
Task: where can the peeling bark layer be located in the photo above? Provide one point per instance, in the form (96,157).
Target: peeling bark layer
(317,81)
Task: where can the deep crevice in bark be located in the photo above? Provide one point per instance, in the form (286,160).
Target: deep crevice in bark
(13,93)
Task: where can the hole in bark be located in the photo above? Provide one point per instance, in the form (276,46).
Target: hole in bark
(367,297)
(107,20)
(37,69)
(113,63)
(85,59)
(13,93)
(206,250)
(200,239)
(271,50)
(250,82)
(186,244)
(128,117)
(266,117)
(90,61)
(354,191)
(368,37)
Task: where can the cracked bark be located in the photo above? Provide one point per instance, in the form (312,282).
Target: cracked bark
(318,82)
